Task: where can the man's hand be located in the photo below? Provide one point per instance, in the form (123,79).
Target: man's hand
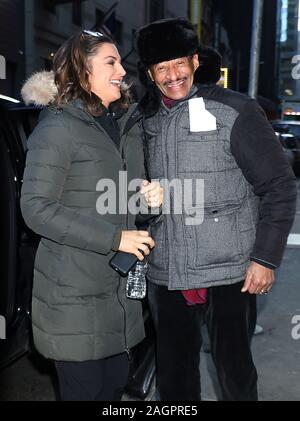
(153,193)
(259,279)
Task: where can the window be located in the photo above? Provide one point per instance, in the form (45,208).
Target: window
(295,130)
(77,12)
(115,27)
(8,240)
(2,67)
(9,86)
(156,9)
(118,32)
(50,6)
(99,17)
(298,15)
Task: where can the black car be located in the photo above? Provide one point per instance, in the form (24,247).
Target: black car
(17,242)
(288,133)
(18,245)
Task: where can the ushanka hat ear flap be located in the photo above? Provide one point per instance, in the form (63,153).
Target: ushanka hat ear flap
(209,70)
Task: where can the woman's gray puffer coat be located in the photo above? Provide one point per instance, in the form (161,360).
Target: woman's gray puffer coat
(79,308)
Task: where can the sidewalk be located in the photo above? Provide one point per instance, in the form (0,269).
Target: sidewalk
(276,354)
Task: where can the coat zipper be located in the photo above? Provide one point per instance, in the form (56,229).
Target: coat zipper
(127,350)
(120,153)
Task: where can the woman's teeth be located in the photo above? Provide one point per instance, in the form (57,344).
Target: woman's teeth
(116,82)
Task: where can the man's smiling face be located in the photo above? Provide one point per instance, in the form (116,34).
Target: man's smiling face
(174,78)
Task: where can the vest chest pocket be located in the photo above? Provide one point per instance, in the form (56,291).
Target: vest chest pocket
(197,151)
(216,241)
(202,136)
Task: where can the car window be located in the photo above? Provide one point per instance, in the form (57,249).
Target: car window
(291,142)
(281,128)
(28,118)
(288,134)
(8,230)
(294,130)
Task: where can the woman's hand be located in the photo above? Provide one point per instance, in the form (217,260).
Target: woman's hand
(138,243)
(153,193)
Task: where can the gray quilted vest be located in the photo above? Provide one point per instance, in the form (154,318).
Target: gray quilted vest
(216,251)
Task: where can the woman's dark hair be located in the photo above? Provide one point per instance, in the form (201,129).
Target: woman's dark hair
(71,68)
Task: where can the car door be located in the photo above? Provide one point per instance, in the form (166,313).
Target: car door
(17,242)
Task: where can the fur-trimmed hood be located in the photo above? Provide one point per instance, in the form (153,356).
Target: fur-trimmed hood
(40,89)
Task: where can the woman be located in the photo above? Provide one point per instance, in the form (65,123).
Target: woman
(81,317)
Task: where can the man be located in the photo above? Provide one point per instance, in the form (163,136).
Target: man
(212,270)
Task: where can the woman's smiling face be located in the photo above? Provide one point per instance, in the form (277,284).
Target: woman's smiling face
(106,73)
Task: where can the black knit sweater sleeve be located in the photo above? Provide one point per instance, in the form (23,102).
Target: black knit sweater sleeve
(259,154)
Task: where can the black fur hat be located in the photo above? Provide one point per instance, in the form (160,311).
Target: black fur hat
(209,70)
(165,40)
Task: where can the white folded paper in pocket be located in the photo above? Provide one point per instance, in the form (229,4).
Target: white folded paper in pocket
(201,120)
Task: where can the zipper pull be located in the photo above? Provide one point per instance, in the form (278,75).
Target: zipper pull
(129,353)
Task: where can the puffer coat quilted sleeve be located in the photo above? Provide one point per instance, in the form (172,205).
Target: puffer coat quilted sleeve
(49,158)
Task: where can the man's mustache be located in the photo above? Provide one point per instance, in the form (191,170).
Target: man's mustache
(167,82)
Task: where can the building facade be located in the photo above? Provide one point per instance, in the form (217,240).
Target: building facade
(12,46)
(288,53)
(288,47)
(31,31)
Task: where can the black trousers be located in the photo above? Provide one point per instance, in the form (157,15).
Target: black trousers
(98,380)
(230,317)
